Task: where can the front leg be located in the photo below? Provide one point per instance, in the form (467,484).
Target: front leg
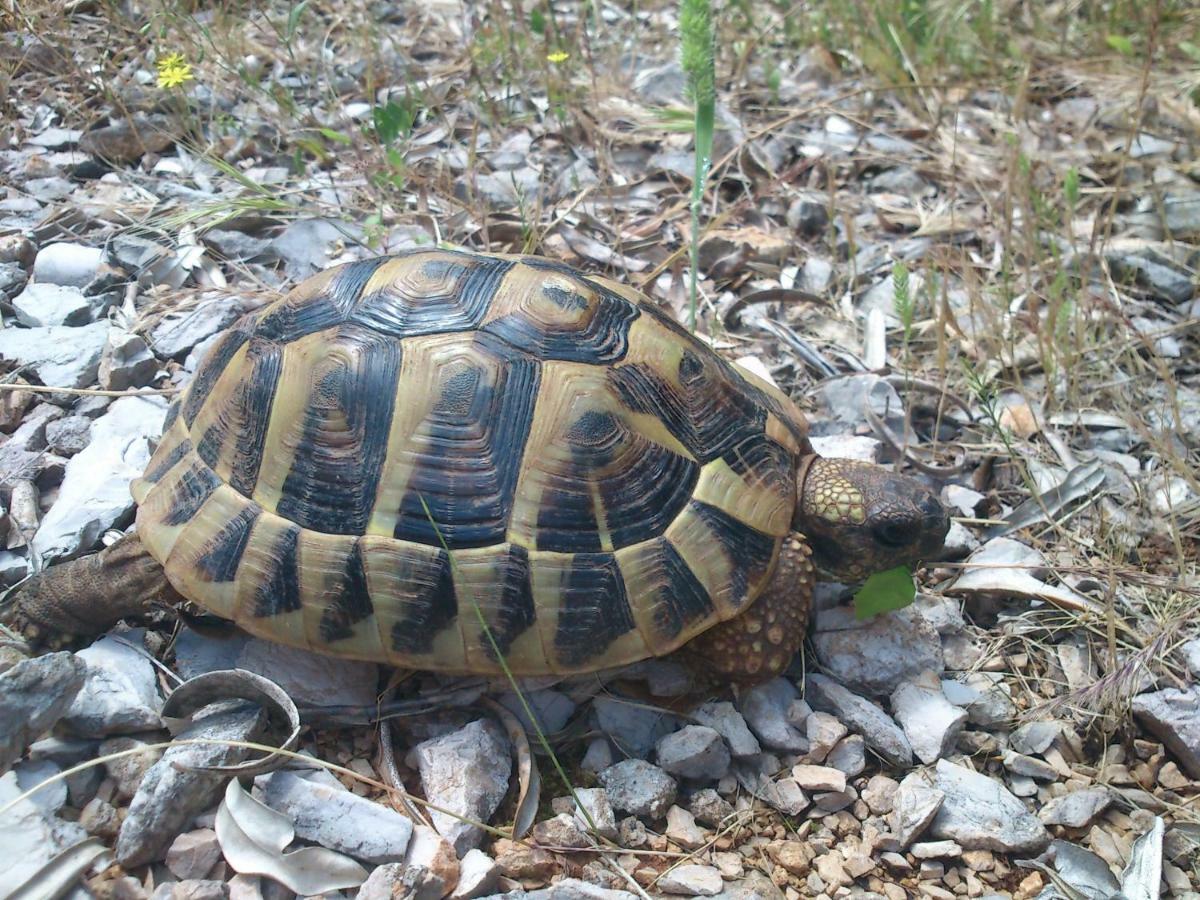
(761,642)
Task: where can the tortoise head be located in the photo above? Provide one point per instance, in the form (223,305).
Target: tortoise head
(860,518)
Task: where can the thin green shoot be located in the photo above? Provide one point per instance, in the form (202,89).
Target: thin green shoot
(697,58)
(512,680)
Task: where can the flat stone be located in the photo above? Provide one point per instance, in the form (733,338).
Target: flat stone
(980,813)
(599,812)
(338,819)
(1077,809)
(465,772)
(126,362)
(930,721)
(193,854)
(40,305)
(478,874)
(692,880)
(55,138)
(396,880)
(665,677)
(553,709)
(12,280)
(1034,738)
(13,568)
(120,691)
(849,755)
(599,756)
(1173,716)
(560,832)
(1190,651)
(1020,764)
(914,806)
(683,830)
(310,679)
(755,886)
(29,837)
(199,353)
(306,244)
(636,787)
(710,808)
(878,729)
(765,708)
(51,796)
(128,771)
(935,849)
(570,889)
(34,695)
(695,751)
(58,355)
(67,264)
(178,332)
(1162,276)
(985,697)
(632,727)
(434,855)
(723,718)
(874,655)
(94,495)
(174,789)
(880,793)
(68,435)
(819,778)
(192,889)
(824,731)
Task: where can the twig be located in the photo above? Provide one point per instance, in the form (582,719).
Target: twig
(91,392)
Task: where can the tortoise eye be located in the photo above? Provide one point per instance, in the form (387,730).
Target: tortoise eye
(893,534)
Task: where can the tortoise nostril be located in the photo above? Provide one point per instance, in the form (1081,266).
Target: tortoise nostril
(894,534)
(932,509)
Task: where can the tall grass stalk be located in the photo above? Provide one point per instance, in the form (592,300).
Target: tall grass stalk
(696,35)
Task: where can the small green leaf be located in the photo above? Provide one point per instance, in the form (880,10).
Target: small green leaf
(294,15)
(884,591)
(1191,50)
(1120,43)
(338,137)
(393,119)
(1071,186)
(537,20)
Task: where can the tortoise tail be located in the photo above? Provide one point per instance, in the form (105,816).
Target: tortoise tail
(87,596)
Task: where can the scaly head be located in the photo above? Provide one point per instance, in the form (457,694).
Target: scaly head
(860,518)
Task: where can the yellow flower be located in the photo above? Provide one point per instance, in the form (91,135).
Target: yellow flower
(558,56)
(173,70)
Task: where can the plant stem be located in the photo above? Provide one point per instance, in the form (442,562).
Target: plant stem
(703,142)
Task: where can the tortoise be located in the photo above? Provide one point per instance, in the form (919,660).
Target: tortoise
(440,458)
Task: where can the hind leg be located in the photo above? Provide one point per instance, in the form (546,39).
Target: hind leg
(761,642)
(87,596)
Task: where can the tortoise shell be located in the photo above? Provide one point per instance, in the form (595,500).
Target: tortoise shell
(404,448)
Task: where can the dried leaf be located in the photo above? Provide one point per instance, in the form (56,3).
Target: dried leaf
(239,684)
(1083,870)
(61,874)
(1082,482)
(1141,878)
(1007,568)
(252,837)
(528,777)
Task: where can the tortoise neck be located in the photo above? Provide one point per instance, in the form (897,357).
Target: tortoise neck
(803,468)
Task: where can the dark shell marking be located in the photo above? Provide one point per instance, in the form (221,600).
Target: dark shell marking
(403,447)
